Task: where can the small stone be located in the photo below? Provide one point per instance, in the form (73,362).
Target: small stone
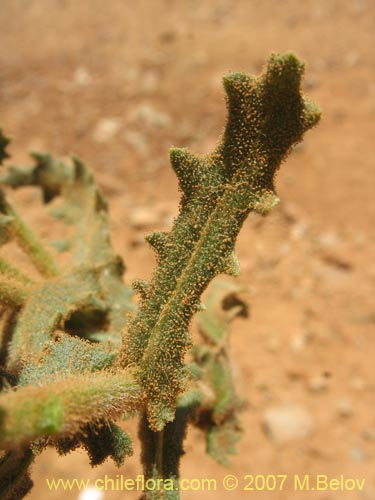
(167,36)
(328,239)
(295,375)
(82,77)
(138,240)
(142,218)
(150,82)
(298,231)
(273,343)
(288,422)
(292,213)
(138,141)
(318,383)
(369,434)
(149,116)
(298,342)
(311,82)
(344,408)
(261,386)
(358,384)
(352,58)
(106,129)
(357,455)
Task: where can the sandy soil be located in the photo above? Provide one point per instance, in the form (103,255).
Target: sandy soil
(118,83)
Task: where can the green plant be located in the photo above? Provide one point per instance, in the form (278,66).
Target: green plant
(67,370)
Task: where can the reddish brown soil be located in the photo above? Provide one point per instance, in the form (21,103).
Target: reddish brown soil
(152,70)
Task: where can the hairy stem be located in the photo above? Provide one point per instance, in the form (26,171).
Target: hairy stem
(12,294)
(162,450)
(10,271)
(14,479)
(34,248)
(63,407)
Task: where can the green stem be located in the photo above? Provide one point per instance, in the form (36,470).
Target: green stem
(13,472)
(12,272)
(34,248)
(64,406)
(11,294)
(162,450)
(159,452)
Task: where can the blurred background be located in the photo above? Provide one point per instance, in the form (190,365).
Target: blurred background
(118,83)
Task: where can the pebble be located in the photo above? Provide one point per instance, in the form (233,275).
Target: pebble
(318,383)
(344,408)
(311,82)
(142,218)
(292,213)
(357,455)
(168,36)
(369,434)
(287,422)
(138,240)
(148,115)
(82,77)
(273,343)
(298,231)
(299,342)
(358,384)
(150,82)
(106,129)
(352,58)
(138,141)
(328,239)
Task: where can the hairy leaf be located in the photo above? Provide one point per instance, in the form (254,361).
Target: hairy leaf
(47,307)
(266,117)
(68,356)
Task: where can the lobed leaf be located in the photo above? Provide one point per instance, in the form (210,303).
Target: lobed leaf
(266,117)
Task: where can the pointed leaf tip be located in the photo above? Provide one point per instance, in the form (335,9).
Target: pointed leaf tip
(81,172)
(312,114)
(237,84)
(159,241)
(181,159)
(284,73)
(177,155)
(42,157)
(285,64)
(142,287)
(186,166)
